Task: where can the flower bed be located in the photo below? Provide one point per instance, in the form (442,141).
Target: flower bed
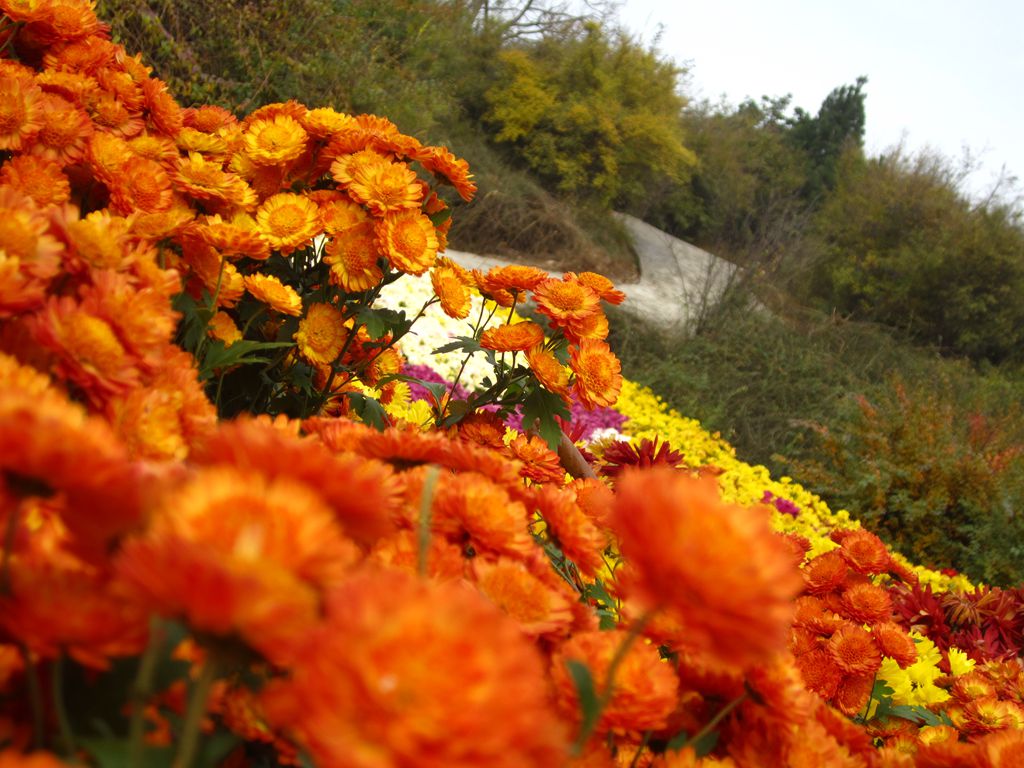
(232,536)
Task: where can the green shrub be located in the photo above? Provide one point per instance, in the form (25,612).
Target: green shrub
(904,248)
(942,484)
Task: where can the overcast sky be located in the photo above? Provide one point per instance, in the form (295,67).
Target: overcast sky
(943,74)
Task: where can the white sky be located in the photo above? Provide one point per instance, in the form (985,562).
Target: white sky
(941,73)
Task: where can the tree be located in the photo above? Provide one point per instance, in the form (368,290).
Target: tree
(839,124)
(595,115)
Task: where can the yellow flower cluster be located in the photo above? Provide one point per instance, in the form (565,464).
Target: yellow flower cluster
(745,484)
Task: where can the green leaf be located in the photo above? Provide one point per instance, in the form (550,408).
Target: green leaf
(439,218)
(457,411)
(379,322)
(916,714)
(368,410)
(114,753)
(218,355)
(541,407)
(677,742)
(597,591)
(705,743)
(462,343)
(590,705)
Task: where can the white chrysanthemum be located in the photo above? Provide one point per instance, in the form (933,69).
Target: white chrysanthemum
(435,329)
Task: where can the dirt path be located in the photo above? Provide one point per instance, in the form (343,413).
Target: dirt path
(677,280)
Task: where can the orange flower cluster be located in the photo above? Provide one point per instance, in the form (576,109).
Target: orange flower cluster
(398,598)
(844,623)
(577,322)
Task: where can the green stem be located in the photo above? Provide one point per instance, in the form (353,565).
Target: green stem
(10,534)
(141,688)
(67,734)
(423,538)
(719,717)
(636,756)
(190,732)
(609,684)
(35,696)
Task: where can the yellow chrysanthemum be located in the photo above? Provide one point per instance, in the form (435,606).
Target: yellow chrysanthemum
(288,221)
(408,240)
(321,334)
(275,294)
(274,141)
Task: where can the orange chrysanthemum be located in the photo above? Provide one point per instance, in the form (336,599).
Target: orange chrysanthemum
(483,428)
(110,114)
(223,328)
(513,277)
(141,185)
(164,112)
(378,183)
(65,131)
(566,301)
(213,272)
(604,287)
(820,672)
(440,161)
(208,118)
(644,690)
(733,596)
(236,554)
(450,284)
(824,573)
(552,375)
(207,180)
(538,607)
(855,651)
(21,112)
(357,698)
(362,492)
(106,154)
(866,603)
(324,121)
(352,255)
(237,237)
(511,338)
(470,508)
(29,255)
(288,221)
(540,463)
(157,147)
(598,373)
(274,141)
(895,643)
(88,347)
(864,552)
(854,692)
(408,240)
(321,334)
(77,87)
(100,240)
(212,146)
(570,528)
(159,420)
(38,178)
(275,294)
(338,211)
